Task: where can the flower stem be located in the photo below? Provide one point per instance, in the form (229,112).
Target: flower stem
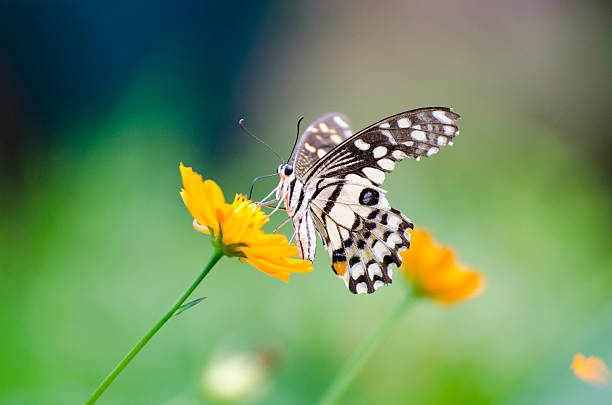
(128,357)
(343,379)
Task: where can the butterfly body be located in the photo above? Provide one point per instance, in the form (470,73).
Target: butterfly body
(332,185)
(296,198)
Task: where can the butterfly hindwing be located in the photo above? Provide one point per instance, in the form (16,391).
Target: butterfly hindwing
(361,232)
(321,136)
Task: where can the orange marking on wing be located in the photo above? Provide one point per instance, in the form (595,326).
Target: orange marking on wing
(339,268)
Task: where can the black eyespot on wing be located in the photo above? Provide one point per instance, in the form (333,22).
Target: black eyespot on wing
(370,225)
(368,197)
(361,244)
(353,261)
(356,223)
(338,256)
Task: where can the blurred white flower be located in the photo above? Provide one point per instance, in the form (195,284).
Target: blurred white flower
(240,375)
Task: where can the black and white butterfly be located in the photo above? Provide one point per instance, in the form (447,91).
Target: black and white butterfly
(333,180)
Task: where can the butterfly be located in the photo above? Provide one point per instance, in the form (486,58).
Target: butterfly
(332,184)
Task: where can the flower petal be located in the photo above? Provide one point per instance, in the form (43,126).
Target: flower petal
(202,198)
(435,272)
(592,370)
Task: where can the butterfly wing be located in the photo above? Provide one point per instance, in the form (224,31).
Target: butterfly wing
(361,231)
(412,134)
(321,136)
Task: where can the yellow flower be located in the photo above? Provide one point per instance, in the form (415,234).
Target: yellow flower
(592,370)
(434,271)
(236,228)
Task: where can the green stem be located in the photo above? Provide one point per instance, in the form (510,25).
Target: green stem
(343,379)
(128,357)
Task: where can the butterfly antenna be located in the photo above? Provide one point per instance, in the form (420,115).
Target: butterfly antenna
(297,136)
(259,178)
(241,123)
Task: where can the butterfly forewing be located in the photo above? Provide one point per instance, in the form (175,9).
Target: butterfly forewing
(375,149)
(321,136)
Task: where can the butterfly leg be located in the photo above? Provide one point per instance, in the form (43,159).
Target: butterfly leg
(275,208)
(281,225)
(269,195)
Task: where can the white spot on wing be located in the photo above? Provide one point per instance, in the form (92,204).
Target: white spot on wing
(386,164)
(377,284)
(374,269)
(325,193)
(387,133)
(442,140)
(441,116)
(342,215)
(344,233)
(323,127)
(403,123)
(375,175)
(418,135)
(393,222)
(398,154)
(448,130)
(384,125)
(357,270)
(362,288)
(380,251)
(394,239)
(332,232)
(362,145)
(340,122)
(310,148)
(433,151)
(335,138)
(379,152)
(321,153)
(355,178)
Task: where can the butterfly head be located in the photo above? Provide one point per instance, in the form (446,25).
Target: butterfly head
(285,170)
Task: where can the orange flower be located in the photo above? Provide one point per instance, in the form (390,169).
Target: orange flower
(236,228)
(435,273)
(591,369)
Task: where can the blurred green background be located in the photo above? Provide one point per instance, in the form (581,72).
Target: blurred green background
(99,103)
